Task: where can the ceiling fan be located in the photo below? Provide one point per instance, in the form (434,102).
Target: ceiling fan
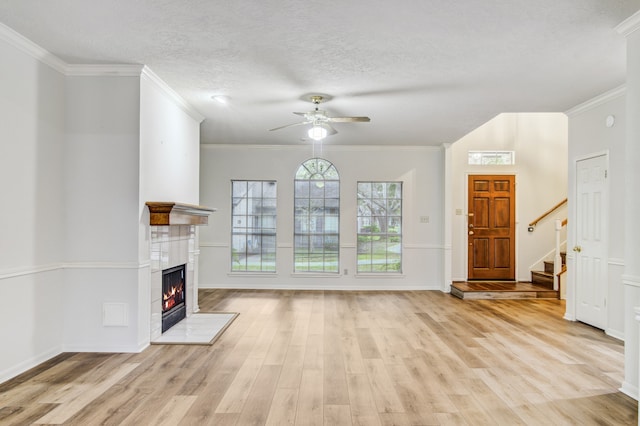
(319,120)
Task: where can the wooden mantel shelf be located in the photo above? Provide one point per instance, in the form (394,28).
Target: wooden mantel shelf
(163,213)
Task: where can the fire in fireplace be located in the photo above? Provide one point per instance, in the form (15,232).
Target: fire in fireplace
(174,285)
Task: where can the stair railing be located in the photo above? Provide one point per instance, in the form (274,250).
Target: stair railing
(557,260)
(532,225)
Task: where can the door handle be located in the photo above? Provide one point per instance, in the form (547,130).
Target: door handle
(577,249)
(470,232)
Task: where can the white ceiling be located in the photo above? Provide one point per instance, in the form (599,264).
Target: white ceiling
(426,71)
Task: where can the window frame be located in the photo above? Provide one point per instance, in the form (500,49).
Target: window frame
(324,175)
(485,158)
(269,233)
(363,238)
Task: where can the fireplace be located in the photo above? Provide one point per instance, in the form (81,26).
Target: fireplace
(173,296)
(173,245)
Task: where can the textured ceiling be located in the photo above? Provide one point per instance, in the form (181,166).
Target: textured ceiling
(426,71)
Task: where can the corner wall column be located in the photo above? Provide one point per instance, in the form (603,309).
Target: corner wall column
(447,216)
(631,276)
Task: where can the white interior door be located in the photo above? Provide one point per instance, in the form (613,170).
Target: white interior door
(590,250)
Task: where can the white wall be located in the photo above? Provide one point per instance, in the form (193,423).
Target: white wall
(168,171)
(540,143)
(588,134)
(420,168)
(101,168)
(169,145)
(31,219)
(101,211)
(631,275)
(71,141)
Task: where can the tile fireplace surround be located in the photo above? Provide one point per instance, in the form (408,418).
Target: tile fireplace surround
(173,242)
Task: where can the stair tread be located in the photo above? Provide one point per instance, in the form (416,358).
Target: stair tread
(542,278)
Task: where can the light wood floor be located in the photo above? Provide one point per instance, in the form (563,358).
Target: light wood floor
(342,358)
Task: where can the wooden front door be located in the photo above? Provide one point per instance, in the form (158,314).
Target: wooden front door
(491,227)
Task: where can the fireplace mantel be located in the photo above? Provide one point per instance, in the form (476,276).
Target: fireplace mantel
(163,213)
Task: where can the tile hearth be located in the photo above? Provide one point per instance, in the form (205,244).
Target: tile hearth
(197,329)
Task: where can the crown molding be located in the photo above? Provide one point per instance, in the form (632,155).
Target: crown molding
(25,45)
(171,94)
(629,25)
(598,100)
(103,70)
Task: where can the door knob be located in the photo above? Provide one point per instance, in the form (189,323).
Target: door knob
(471,225)
(470,232)
(577,249)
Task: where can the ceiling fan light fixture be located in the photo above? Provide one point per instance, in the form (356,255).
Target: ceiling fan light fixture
(317,132)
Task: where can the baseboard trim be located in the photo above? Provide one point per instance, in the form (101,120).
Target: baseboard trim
(28,364)
(616,334)
(341,287)
(629,390)
(105,349)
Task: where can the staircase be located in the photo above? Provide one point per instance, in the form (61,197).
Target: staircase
(545,278)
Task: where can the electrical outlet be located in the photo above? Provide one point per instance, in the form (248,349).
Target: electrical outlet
(346,272)
(424,219)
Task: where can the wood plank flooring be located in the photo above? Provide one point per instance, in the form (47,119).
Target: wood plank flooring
(344,358)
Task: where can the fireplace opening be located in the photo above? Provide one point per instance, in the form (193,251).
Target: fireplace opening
(174,285)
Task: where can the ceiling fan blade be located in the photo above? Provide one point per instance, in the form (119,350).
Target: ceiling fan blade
(330,130)
(290,125)
(349,119)
(301,113)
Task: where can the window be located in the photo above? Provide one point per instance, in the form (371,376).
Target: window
(253,215)
(380,227)
(317,217)
(486,158)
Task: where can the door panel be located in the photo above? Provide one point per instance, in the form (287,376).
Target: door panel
(591,245)
(502,213)
(481,253)
(481,212)
(491,232)
(502,247)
